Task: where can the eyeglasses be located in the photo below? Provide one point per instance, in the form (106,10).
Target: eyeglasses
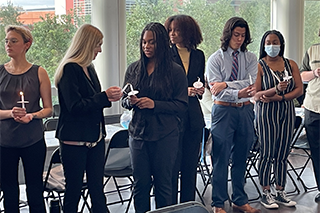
(12,41)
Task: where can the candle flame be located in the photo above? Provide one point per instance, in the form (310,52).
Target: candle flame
(21,93)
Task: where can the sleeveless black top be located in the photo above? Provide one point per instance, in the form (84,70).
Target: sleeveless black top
(12,133)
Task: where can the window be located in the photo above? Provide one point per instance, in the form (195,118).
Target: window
(51,33)
(210,14)
(311,23)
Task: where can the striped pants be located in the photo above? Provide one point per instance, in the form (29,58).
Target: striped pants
(275,129)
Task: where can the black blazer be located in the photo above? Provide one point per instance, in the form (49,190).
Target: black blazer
(154,124)
(81,105)
(196,69)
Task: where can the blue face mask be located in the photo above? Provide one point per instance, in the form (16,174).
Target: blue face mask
(272,50)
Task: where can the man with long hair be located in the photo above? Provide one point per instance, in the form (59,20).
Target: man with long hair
(230,72)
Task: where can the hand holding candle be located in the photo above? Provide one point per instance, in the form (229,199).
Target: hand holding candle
(132,91)
(197,89)
(286,76)
(23,102)
(198,84)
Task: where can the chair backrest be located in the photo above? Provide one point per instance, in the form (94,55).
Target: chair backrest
(55,159)
(56,110)
(50,124)
(120,139)
(118,152)
(112,119)
(297,122)
(298,126)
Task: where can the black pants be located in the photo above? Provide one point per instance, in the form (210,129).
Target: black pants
(153,159)
(187,161)
(312,125)
(76,160)
(33,158)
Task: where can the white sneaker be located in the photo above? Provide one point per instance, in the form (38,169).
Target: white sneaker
(282,198)
(268,200)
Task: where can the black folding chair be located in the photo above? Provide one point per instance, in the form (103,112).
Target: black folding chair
(50,124)
(300,142)
(54,183)
(56,110)
(118,142)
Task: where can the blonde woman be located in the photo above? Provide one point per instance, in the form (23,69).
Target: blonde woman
(81,128)
(21,127)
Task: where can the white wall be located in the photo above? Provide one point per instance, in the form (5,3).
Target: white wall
(110,17)
(287,16)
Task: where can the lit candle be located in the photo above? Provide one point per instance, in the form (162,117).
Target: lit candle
(132,92)
(22,99)
(23,102)
(250,79)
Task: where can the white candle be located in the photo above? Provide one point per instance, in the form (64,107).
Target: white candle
(132,92)
(22,99)
(198,84)
(125,87)
(250,79)
(286,76)
(131,87)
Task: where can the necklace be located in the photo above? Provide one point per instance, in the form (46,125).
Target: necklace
(17,70)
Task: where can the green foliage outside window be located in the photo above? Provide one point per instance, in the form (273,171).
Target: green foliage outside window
(211,16)
(8,15)
(51,36)
(312,23)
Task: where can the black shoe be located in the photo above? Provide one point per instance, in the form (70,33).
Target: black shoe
(282,198)
(268,200)
(317,198)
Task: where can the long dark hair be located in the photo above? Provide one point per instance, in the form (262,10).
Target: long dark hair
(189,28)
(263,41)
(227,33)
(161,79)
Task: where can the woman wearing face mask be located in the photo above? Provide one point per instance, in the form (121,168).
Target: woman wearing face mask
(278,83)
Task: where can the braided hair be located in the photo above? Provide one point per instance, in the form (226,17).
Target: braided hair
(161,82)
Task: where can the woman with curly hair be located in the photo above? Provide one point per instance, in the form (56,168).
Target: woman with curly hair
(185,36)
